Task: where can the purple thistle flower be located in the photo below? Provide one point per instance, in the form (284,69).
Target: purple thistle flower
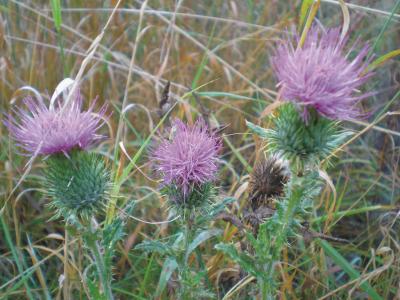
(43,130)
(190,157)
(320,76)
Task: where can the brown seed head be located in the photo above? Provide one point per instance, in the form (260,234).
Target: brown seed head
(267,181)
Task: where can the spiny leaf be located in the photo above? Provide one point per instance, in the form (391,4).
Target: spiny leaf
(244,260)
(214,210)
(262,132)
(154,246)
(169,267)
(201,238)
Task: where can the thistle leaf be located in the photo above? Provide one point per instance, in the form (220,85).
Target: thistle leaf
(244,260)
(262,132)
(214,210)
(154,246)
(169,267)
(201,238)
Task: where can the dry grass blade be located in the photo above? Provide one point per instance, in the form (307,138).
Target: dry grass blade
(90,53)
(346,18)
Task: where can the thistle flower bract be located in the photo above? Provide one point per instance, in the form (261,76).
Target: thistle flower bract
(268,180)
(302,144)
(319,75)
(189,158)
(78,184)
(43,130)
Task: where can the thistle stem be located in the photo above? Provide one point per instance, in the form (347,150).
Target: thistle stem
(266,283)
(66,276)
(100,265)
(266,290)
(184,266)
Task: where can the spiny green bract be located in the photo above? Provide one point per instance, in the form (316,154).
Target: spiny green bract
(300,142)
(77,184)
(200,196)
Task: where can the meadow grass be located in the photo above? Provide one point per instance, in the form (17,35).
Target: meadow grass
(216,56)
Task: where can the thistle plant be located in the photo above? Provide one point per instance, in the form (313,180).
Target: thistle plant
(188,163)
(318,83)
(76,180)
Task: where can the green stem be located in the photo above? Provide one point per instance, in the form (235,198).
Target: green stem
(184,267)
(266,290)
(100,265)
(266,282)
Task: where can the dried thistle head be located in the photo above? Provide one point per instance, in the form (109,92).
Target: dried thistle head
(268,181)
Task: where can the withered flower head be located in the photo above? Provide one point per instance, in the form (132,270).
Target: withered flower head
(268,181)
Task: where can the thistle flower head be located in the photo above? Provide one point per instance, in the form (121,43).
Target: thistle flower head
(189,157)
(320,75)
(268,180)
(43,130)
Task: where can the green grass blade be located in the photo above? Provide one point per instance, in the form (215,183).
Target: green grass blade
(56,9)
(348,268)
(351,212)
(384,27)
(17,259)
(146,276)
(41,276)
(204,61)
(305,7)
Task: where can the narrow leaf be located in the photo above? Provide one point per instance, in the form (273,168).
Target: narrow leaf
(348,268)
(305,6)
(346,18)
(169,267)
(201,238)
(56,8)
(262,132)
(382,59)
(310,19)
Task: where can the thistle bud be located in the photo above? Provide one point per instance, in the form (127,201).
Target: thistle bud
(301,143)
(77,183)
